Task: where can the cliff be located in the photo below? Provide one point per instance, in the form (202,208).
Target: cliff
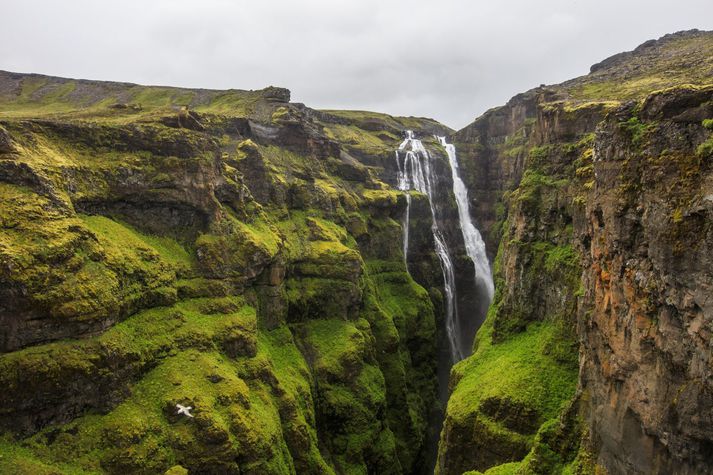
(225,250)
(595,355)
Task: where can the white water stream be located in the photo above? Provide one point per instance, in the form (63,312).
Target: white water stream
(415,173)
(474,244)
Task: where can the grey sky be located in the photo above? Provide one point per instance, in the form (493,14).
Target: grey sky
(447,59)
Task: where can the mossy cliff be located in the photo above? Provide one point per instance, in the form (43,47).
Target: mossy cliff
(225,250)
(596,193)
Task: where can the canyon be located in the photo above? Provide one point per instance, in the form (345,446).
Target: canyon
(351,292)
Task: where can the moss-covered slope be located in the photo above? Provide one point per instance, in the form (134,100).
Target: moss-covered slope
(225,250)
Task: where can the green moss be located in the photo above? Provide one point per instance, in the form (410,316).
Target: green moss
(388,122)
(636,129)
(381,198)
(538,155)
(350,135)
(176,470)
(234,419)
(351,393)
(637,87)
(18,460)
(504,469)
(548,264)
(167,248)
(560,259)
(706,148)
(236,248)
(400,315)
(509,388)
(339,344)
(43,96)
(586,105)
(88,268)
(532,186)
(519,369)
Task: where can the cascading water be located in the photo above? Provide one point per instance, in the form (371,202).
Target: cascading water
(474,244)
(416,174)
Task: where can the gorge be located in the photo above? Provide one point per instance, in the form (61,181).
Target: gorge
(317,284)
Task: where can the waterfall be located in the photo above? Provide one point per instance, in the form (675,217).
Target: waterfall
(416,174)
(403,185)
(406,224)
(474,245)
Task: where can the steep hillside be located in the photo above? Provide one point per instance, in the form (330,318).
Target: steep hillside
(224,250)
(596,193)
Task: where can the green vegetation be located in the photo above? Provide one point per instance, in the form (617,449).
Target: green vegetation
(534,188)
(519,369)
(260,283)
(706,148)
(636,129)
(523,370)
(42,96)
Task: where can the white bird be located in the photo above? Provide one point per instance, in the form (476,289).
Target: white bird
(184,410)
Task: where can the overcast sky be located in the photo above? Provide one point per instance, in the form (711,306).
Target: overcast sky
(446,59)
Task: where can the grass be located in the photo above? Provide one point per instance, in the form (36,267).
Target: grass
(504,469)
(41,96)
(533,185)
(389,122)
(518,368)
(706,148)
(636,129)
(126,236)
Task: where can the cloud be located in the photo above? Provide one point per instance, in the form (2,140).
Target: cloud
(450,60)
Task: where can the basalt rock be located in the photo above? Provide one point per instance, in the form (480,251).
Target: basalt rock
(6,145)
(646,343)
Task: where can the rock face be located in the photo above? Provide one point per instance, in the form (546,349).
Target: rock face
(596,195)
(646,339)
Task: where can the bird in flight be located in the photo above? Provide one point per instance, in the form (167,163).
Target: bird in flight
(184,410)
